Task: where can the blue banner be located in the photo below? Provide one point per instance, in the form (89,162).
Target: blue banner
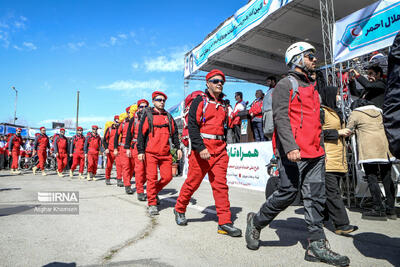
(13,130)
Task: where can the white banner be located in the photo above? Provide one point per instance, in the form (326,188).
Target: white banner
(247,165)
(367,30)
(245,19)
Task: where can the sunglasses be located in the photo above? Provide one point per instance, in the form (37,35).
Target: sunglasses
(217,81)
(159,100)
(311,56)
(143,106)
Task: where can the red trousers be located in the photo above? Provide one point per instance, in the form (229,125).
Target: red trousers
(62,160)
(78,158)
(216,167)
(127,165)
(42,154)
(15,156)
(154,186)
(140,172)
(93,160)
(110,161)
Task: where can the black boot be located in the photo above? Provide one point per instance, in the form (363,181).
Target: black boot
(391,214)
(120,183)
(158,200)
(319,251)
(142,197)
(374,215)
(252,233)
(128,190)
(108,182)
(229,229)
(180,218)
(345,229)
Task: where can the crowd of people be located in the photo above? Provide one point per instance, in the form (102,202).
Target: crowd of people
(308,132)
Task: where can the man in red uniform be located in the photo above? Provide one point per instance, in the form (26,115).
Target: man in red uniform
(42,143)
(92,149)
(108,143)
(127,164)
(77,154)
(255,112)
(131,140)
(208,155)
(61,151)
(14,148)
(156,127)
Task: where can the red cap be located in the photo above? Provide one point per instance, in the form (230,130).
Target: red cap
(127,110)
(116,118)
(213,73)
(156,93)
(41,128)
(95,127)
(62,129)
(79,128)
(143,101)
(19,129)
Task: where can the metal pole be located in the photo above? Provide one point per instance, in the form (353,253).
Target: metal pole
(77,110)
(15,105)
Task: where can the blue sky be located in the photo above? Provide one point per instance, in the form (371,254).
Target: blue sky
(113,52)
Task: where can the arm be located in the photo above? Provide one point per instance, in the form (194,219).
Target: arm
(331,134)
(36,144)
(280,108)
(142,135)
(106,138)
(116,137)
(72,146)
(86,146)
(10,143)
(56,145)
(129,134)
(175,137)
(193,125)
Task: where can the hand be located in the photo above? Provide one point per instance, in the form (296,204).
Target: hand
(251,115)
(204,154)
(344,132)
(33,153)
(85,156)
(179,154)
(56,154)
(128,153)
(356,73)
(9,153)
(107,151)
(70,155)
(115,152)
(141,157)
(294,155)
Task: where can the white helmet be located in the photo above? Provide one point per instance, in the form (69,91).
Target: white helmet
(296,49)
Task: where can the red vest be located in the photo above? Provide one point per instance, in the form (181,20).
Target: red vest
(94,143)
(61,145)
(79,143)
(43,142)
(16,143)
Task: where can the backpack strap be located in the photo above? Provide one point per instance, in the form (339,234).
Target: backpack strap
(295,86)
(170,122)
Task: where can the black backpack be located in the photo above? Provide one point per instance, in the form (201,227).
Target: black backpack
(149,114)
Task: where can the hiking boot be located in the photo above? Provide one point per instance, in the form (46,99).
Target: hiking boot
(81,176)
(44,173)
(108,182)
(391,214)
(319,251)
(60,174)
(229,229)
(94,177)
(374,215)
(17,172)
(153,210)
(158,200)
(180,218)
(345,229)
(120,183)
(141,196)
(252,233)
(71,173)
(12,172)
(89,177)
(128,190)
(34,170)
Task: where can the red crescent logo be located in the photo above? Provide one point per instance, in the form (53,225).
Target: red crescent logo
(353,32)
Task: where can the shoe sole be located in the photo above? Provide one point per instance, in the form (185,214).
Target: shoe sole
(249,218)
(222,232)
(392,217)
(180,224)
(343,232)
(314,259)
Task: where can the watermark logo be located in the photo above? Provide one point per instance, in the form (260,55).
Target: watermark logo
(59,197)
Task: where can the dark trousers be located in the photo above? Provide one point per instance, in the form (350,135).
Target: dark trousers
(258,131)
(2,161)
(236,133)
(307,174)
(373,171)
(334,206)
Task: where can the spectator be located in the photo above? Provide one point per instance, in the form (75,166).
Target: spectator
(374,86)
(366,122)
(256,116)
(236,122)
(268,123)
(336,161)
(391,106)
(229,134)
(2,153)
(271,81)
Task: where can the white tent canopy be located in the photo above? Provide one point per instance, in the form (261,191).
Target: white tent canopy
(251,44)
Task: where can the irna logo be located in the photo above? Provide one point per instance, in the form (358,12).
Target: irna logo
(59,197)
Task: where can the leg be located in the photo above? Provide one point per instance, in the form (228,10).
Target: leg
(110,162)
(281,198)
(95,158)
(75,162)
(65,162)
(314,196)
(81,158)
(237,132)
(165,164)
(151,172)
(15,159)
(217,178)
(118,166)
(261,131)
(388,185)
(371,171)
(255,131)
(59,163)
(197,170)
(140,174)
(334,203)
(126,167)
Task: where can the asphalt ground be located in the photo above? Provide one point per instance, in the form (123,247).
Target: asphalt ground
(114,229)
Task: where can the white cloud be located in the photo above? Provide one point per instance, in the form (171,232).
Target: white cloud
(171,63)
(29,45)
(113,40)
(130,85)
(17,47)
(135,66)
(9,25)
(122,36)
(4,39)
(75,46)
(84,119)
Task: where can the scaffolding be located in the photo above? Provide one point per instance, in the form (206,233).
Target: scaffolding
(327,24)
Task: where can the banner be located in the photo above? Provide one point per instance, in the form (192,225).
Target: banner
(367,30)
(12,129)
(1,129)
(247,165)
(245,19)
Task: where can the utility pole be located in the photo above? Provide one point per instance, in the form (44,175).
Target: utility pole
(77,110)
(15,106)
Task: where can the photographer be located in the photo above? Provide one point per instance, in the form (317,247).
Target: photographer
(374,86)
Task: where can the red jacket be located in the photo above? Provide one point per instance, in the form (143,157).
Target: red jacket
(42,142)
(132,133)
(61,145)
(122,132)
(92,144)
(15,143)
(240,106)
(256,108)
(109,137)
(77,144)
